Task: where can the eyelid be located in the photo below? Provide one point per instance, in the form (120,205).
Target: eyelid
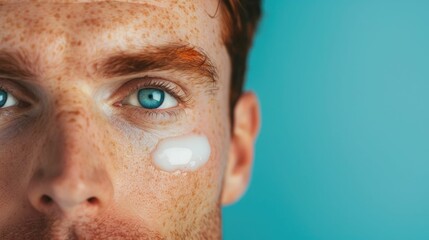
(22,95)
(11,101)
(170,87)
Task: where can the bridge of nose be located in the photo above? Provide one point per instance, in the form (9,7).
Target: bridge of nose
(74,169)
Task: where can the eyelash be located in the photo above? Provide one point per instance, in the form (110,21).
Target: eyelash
(180,94)
(175,91)
(21,103)
(5,89)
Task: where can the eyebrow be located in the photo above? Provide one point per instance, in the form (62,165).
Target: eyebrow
(174,57)
(17,65)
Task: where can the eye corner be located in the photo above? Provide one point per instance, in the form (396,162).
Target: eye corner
(19,94)
(118,104)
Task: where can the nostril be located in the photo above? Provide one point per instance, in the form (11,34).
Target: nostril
(46,200)
(93,200)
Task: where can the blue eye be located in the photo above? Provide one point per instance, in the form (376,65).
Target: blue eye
(3,98)
(6,99)
(151,98)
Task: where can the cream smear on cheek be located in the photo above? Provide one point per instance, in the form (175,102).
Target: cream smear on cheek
(184,153)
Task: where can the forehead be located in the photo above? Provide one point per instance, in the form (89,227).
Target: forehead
(58,30)
(176,14)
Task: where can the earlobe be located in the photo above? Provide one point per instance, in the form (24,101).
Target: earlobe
(244,132)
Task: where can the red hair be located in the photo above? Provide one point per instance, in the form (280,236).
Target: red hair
(241,19)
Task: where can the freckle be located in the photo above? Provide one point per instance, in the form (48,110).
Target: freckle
(7,38)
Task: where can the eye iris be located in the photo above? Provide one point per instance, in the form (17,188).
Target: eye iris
(151,97)
(3,98)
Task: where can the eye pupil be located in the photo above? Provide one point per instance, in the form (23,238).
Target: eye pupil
(151,98)
(3,98)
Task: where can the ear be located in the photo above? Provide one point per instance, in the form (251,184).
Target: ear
(244,132)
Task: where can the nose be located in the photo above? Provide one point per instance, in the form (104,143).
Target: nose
(71,178)
(69,194)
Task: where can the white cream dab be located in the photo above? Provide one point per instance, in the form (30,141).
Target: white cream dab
(185,153)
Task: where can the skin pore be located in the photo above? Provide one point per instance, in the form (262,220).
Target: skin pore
(75,155)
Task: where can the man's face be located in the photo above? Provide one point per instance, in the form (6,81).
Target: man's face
(77,135)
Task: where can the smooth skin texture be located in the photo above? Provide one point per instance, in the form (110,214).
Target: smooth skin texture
(75,155)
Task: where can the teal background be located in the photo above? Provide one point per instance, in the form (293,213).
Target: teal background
(343,152)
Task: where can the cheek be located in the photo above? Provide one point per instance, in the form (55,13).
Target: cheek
(12,172)
(18,152)
(152,162)
(174,179)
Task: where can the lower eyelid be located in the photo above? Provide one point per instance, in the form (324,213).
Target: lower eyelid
(147,118)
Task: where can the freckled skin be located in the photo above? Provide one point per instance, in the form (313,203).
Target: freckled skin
(73,143)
